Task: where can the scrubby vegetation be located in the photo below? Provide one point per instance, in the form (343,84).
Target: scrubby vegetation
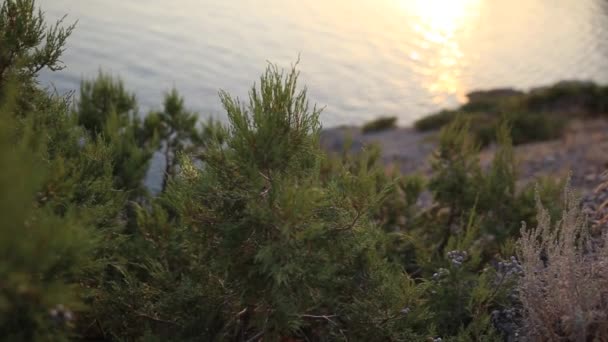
(380,124)
(540,114)
(563,289)
(257,233)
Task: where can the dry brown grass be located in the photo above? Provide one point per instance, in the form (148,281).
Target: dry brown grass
(564,290)
(602,220)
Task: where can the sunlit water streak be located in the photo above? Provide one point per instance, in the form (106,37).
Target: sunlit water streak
(359,58)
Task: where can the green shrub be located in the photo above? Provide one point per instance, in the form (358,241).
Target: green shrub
(458,246)
(297,251)
(257,233)
(401,192)
(490,101)
(456,169)
(29,45)
(42,250)
(380,124)
(583,97)
(435,121)
(535,116)
(177,129)
(525,127)
(257,243)
(530,127)
(104,108)
(62,213)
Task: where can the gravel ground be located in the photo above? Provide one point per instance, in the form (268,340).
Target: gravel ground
(582,150)
(404,147)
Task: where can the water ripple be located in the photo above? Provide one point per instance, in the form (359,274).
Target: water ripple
(360,58)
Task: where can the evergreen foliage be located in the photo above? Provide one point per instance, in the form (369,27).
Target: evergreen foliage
(37,288)
(540,114)
(300,256)
(176,127)
(257,234)
(380,124)
(27,44)
(105,109)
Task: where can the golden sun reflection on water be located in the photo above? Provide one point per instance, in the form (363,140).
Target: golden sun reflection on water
(442,24)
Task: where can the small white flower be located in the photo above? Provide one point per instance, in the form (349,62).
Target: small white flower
(60,314)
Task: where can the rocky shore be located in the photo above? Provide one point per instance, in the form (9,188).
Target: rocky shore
(581,150)
(595,206)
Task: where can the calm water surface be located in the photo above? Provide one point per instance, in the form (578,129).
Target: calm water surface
(359,58)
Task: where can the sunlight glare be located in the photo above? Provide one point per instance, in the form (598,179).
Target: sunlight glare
(442,18)
(440,23)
